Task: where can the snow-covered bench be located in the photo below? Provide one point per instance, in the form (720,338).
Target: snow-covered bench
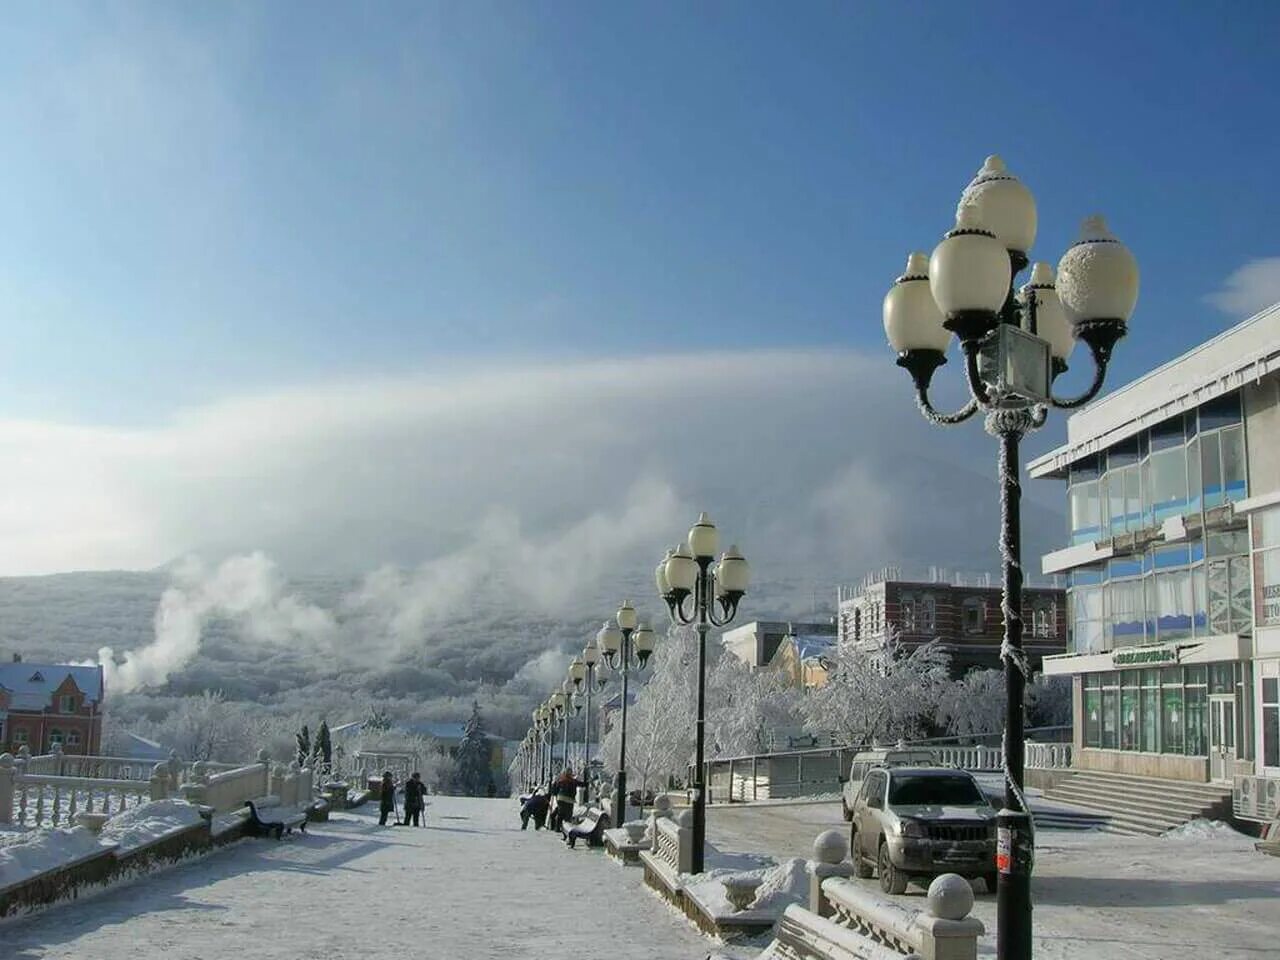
(277,820)
(588,827)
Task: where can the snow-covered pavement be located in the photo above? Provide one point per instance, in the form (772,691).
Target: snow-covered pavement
(470,885)
(1201,893)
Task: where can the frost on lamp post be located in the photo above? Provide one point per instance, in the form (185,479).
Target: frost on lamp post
(621,642)
(1014,343)
(690,571)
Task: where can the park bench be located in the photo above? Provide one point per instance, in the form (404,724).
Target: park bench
(590,827)
(268,818)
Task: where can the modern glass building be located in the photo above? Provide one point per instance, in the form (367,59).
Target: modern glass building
(1172,560)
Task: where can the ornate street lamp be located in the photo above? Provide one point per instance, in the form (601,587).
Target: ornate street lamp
(1014,344)
(621,644)
(560,708)
(584,680)
(688,571)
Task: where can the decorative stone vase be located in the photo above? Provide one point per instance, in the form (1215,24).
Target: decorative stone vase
(740,890)
(93,822)
(635,830)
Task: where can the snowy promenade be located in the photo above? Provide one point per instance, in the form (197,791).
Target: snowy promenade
(1204,894)
(471,886)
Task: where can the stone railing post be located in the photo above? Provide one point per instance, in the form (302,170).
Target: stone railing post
(264,758)
(947,932)
(684,820)
(275,781)
(6,788)
(830,850)
(160,782)
(290,795)
(55,751)
(196,790)
(175,768)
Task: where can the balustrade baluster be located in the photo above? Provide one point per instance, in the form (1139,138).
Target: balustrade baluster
(39,806)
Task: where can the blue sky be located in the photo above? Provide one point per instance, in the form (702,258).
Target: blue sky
(206,199)
(393,282)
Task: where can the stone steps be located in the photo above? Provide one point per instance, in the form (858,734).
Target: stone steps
(1142,805)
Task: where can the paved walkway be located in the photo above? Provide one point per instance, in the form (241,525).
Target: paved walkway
(470,886)
(1097,896)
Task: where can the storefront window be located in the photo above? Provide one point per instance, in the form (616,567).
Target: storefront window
(1196,702)
(1129,718)
(1110,705)
(1172,715)
(1150,711)
(1092,710)
(1270,722)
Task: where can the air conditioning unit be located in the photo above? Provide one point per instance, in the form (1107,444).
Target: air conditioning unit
(1256,798)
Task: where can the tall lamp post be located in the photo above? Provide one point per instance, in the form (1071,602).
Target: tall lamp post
(687,572)
(620,644)
(581,672)
(1014,344)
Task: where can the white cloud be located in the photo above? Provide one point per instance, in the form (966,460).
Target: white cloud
(1249,289)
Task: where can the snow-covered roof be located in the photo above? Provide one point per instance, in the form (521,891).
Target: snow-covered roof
(31,685)
(1248,351)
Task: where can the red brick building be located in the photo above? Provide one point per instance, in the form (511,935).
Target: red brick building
(965,617)
(43,703)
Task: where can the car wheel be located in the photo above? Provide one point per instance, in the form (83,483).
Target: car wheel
(861,869)
(892,880)
(991,880)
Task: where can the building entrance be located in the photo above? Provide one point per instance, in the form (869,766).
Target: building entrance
(1222,737)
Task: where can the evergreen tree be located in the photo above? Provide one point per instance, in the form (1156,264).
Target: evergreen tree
(377,720)
(473,774)
(324,745)
(303,737)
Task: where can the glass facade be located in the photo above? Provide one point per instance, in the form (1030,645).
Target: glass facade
(1160,710)
(1187,464)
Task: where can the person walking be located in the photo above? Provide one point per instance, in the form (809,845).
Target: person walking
(415,792)
(387,800)
(564,791)
(535,808)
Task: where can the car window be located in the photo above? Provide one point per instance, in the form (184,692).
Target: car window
(956,790)
(873,790)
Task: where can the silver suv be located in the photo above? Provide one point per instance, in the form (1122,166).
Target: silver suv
(918,822)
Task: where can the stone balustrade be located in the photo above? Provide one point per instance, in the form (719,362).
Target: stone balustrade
(673,842)
(1048,756)
(969,757)
(51,800)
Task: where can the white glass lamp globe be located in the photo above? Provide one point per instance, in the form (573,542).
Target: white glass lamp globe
(1098,275)
(626,616)
(577,670)
(575,701)
(557,701)
(732,572)
(912,320)
(682,571)
(969,270)
(609,638)
(1052,323)
(1003,204)
(643,639)
(704,539)
(591,654)
(660,576)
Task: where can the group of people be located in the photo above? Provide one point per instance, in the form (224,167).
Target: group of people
(557,802)
(415,800)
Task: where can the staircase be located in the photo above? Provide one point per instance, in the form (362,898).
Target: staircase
(1142,805)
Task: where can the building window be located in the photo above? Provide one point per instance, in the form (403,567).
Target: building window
(973,614)
(1172,713)
(1150,702)
(55,736)
(1266,565)
(1085,502)
(73,738)
(918,612)
(1149,710)
(67,703)
(19,735)
(1270,722)
(857,624)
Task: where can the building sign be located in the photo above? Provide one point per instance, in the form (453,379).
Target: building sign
(1271,603)
(1144,656)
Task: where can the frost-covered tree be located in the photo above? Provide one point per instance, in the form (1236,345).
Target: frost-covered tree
(323,753)
(208,727)
(377,720)
(747,709)
(974,704)
(473,774)
(883,693)
(1049,701)
(304,746)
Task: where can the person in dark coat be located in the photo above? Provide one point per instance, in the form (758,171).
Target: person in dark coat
(415,792)
(387,800)
(565,793)
(535,808)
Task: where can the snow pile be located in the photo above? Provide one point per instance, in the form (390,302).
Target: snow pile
(148,822)
(781,884)
(1207,830)
(44,851)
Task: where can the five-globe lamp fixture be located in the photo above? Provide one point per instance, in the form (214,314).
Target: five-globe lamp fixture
(691,572)
(1014,343)
(622,642)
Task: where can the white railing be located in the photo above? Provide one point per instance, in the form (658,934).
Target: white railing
(943,929)
(1048,756)
(44,800)
(673,844)
(969,757)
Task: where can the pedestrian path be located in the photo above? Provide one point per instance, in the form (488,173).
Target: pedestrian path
(469,886)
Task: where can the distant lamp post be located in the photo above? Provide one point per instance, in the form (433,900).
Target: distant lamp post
(560,706)
(621,642)
(590,660)
(1014,344)
(688,571)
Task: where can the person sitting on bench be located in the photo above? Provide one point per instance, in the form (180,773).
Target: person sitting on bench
(535,807)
